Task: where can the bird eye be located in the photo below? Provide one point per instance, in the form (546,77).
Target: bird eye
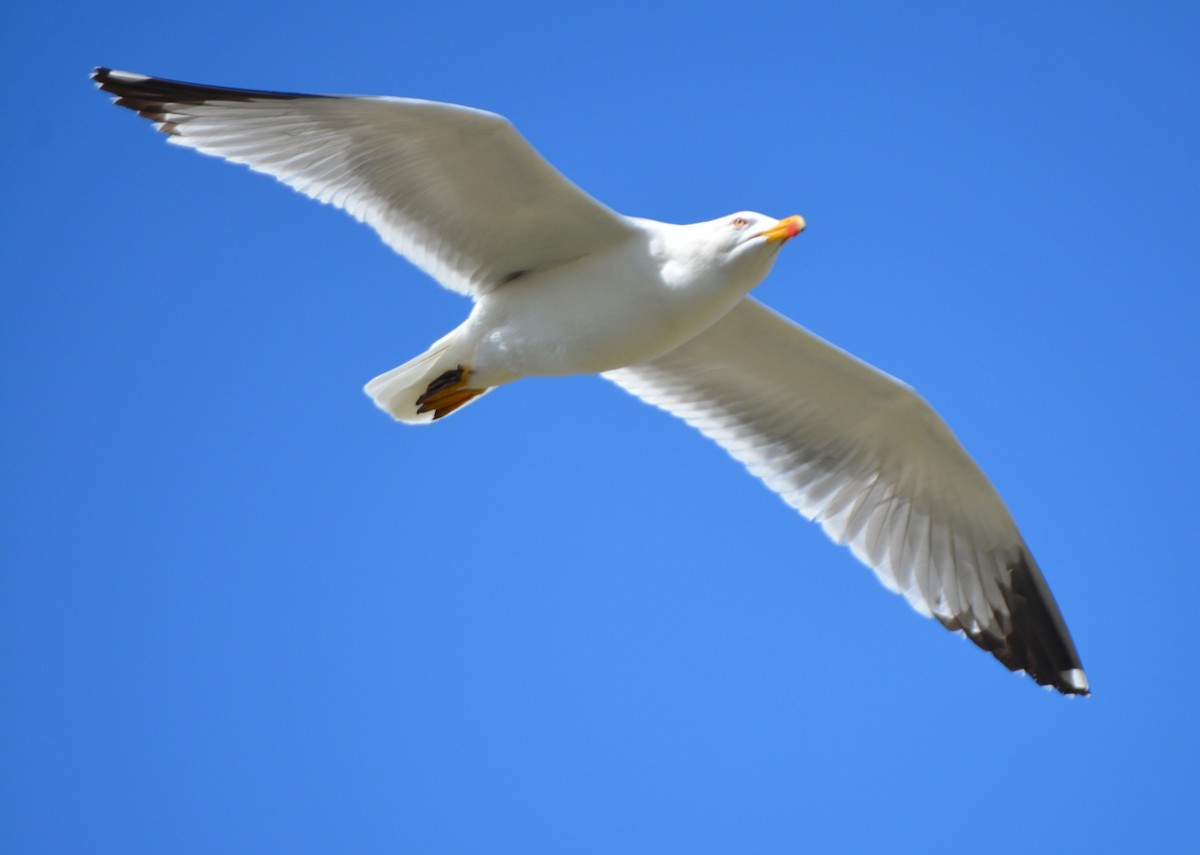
(739,222)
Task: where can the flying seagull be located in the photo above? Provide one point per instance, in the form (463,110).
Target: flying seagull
(563,285)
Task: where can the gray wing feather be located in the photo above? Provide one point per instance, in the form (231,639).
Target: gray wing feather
(866,457)
(457,191)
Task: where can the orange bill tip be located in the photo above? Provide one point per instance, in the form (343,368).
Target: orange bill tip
(785,229)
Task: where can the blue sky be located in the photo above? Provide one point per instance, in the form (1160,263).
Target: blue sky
(243,611)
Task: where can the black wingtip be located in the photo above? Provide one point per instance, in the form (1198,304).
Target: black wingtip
(157,98)
(128,86)
(1039,638)
(1034,638)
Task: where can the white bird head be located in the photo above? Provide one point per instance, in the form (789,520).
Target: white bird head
(747,234)
(746,242)
(746,227)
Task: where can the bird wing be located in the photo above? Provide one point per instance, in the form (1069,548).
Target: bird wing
(864,455)
(457,191)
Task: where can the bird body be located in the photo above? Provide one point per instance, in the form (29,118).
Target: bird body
(621,305)
(563,285)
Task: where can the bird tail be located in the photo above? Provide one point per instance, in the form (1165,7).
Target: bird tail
(426,388)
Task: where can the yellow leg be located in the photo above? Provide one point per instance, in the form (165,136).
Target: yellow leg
(447,392)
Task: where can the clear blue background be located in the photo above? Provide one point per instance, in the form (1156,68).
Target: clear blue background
(243,611)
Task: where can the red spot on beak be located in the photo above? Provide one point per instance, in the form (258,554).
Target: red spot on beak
(785,229)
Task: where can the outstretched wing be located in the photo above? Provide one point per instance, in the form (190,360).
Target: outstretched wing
(864,455)
(457,191)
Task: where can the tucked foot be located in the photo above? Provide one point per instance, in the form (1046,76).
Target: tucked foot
(447,392)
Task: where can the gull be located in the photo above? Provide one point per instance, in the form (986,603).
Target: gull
(563,285)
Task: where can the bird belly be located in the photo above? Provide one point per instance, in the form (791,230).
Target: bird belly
(577,320)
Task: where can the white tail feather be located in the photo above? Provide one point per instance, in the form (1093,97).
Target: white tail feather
(396,391)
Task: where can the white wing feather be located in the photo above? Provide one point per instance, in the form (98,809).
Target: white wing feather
(864,455)
(457,191)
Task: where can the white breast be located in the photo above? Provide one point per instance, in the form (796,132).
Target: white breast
(621,306)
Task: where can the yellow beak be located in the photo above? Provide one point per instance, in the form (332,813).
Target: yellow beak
(785,230)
